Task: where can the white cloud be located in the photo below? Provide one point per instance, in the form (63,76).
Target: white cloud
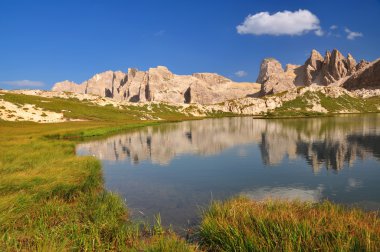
(351,35)
(241,73)
(23,83)
(319,33)
(333,32)
(281,23)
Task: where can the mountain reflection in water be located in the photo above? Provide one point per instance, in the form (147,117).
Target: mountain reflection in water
(175,168)
(328,142)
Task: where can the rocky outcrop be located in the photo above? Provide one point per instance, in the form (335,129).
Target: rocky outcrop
(367,77)
(351,64)
(333,68)
(273,77)
(311,68)
(159,84)
(362,64)
(69,86)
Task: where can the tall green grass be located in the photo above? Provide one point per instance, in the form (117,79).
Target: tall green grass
(241,224)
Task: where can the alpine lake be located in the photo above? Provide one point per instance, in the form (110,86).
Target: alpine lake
(176,169)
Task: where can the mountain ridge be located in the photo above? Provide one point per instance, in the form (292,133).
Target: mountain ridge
(332,69)
(160,84)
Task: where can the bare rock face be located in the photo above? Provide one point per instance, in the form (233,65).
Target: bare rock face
(367,77)
(361,65)
(312,67)
(104,84)
(273,77)
(268,68)
(164,86)
(333,68)
(329,69)
(69,86)
(211,78)
(351,64)
(161,85)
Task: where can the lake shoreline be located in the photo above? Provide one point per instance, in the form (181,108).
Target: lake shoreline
(63,137)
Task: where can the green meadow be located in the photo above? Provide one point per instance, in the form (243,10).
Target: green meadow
(301,106)
(51,199)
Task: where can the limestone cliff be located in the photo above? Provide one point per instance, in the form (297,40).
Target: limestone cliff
(273,77)
(368,77)
(159,84)
(333,68)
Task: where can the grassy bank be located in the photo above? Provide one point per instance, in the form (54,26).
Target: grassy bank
(51,199)
(241,224)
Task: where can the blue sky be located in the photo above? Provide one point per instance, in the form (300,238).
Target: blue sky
(43,42)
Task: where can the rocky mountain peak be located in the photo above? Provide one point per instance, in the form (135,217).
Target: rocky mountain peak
(211,78)
(351,64)
(332,68)
(269,67)
(335,69)
(362,64)
(311,67)
(336,55)
(273,77)
(160,72)
(315,60)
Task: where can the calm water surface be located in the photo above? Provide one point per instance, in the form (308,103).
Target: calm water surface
(176,169)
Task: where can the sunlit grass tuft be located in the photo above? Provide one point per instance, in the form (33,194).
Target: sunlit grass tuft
(241,224)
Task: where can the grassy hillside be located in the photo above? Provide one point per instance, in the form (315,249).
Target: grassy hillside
(86,110)
(302,105)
